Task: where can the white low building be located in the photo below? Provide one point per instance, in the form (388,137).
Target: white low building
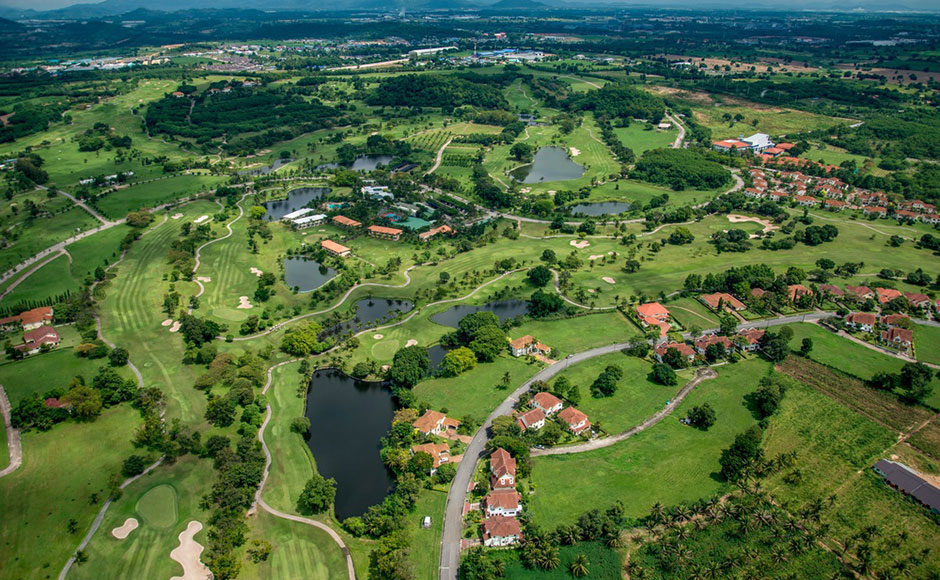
(289,217)
(308,221)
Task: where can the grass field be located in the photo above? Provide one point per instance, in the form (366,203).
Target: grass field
(669,463)
(692,313)
(56,369)
(603,564)
(297,551)
(927,343)
(54,485)
(39,234)
(640,139)
(769,120)
(426,542)
(118,204)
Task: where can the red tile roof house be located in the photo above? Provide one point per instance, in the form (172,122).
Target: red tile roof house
(534,420)
(502,469)
(875,210)
(704,342)
(886,295)
(384,232)
(859,292)
(33,340)
(346,222)
(900,337)
(749,339)
(439,452)
(576,420)
(806,200)
(864,321)
(794,291)
(502,502)
(685,350)
(501,531)
(445,229)
(528,345)
(829,289)
(758,292)
(29,320)
(899,320)
(335,249)
(435,423)
(834,204)
(723,298)
(654,314)
(916,300)
(547,402)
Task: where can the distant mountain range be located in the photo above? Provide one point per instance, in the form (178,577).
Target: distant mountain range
(111,8)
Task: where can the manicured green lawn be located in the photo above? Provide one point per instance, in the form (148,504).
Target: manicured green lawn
(158,507)
(134,197)
(41,233)
(426,542)
(636,398)
(4,450)
(927,343)
(574,335)
(54,485)
(690,313)
(603,564)
(43,372)
(297,551)
(476,392)
(669,463)
(638,138)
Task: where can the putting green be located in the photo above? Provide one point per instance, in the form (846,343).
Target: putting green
(158,507)
(385,349)
(233,314)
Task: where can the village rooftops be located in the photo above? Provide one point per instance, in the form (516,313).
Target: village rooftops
(434,422)
(713,300)
(346,222)
(886,295)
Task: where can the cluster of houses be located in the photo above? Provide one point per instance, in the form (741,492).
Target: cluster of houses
(756,143)
(38,333)
(747,340)
(387,233)
(892,329)
(503,503)
(543,406)
(834,194)
(439,424)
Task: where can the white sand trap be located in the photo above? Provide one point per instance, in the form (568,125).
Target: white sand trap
(525,190)
(768,226)
(176,216)
(595,256)
(130,524)
(411,342)
(574,151)
(386,367)
(175,327)
(378,336)
(187,554)
(592,291)
(256,271)
(167,322)
(609,280)
(204,279)
(244,303)
(580,244)
(200,219)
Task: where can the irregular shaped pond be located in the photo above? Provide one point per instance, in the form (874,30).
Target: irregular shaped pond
(549,164)
(370,312)
(306,274)
(602,208)
(348,419)
(296,199)
(504,310)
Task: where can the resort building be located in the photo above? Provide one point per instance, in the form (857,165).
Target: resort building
(723,299)
(346,222)
(308,221)
(528,345)
(289,217)
(435,423)
(384,232)
(335,249)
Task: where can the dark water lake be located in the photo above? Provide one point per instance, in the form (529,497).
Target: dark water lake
(296,199)
(601,208)
(362,163)
(436,353)
(348,418)
(370,312)
(306,274)
(549,164)
(504,310)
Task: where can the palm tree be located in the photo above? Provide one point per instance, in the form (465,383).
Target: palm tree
(579,567)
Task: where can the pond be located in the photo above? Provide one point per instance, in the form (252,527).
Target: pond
(362,163)
(296,199)
(348,419)
(370,312)
(278,163)
(504,310)
(305,273)
(602,208)
(549,164)
(436,354)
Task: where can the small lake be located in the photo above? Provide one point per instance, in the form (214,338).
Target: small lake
(549,164)
(504,310)
(348,419)
(601,208)
(436,354)
(370,312)
(278,163)
(362,163)
(296,199)
(306,274)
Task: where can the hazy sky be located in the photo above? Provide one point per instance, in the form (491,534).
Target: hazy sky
(37,4)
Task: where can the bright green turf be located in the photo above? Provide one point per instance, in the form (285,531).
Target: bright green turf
(158,507)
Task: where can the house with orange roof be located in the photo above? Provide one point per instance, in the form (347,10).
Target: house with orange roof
(28,319)
(879,211)
(335,249)
(654,314)
(502,502)
(859,292)
(445,229)
(703,342)
(384,232)
(722,299)
(830,290)
(439,452)
(834,204)
(531,420)
(902,338)
(749,339)
(899,320)
(34,340)
(685,350)
(864,321)
(346,222)
(501,531)
(917,300)
(576,420)
(435,423)
(886,295)
(794,291)
(547,402)
(502,469)
(526,345)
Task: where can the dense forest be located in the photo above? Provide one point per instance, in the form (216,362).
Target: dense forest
(680,169)
(443,91)
(622,101)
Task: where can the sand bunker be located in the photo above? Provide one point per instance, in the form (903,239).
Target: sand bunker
(130,524)
(580,244)
(574,151)
(256,271)
(378,336)
(200,219)
(204,279)
(595,256)
(525,190)
(243,302)
(175,327)
(609,280)
(167,322)
(385,368)
(176,216)
(187,554)
(411,342)
(768,226)
(592,291)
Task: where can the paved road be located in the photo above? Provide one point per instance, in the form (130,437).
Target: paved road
(32,270)
(55,249)
(104,221)
(680,138)
(440,156)
(453,513)
(13,436)
(703,374)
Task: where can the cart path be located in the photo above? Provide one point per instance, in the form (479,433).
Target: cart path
(440,157)
(680,138)
(13,436)
(228,226)
(104,221)
(703,374)
(21,279)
